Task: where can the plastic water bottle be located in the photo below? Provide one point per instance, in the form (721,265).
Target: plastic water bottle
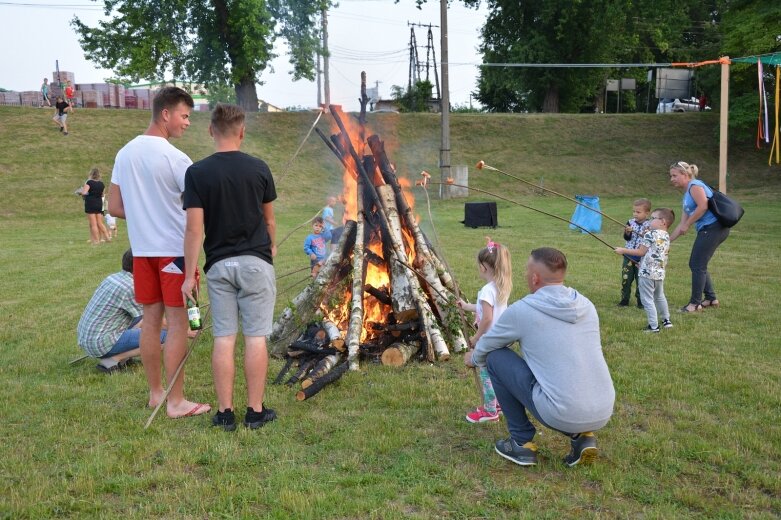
(194,315)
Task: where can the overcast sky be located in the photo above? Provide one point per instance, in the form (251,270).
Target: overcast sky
(370,35)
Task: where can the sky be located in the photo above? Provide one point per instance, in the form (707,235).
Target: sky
(369,35)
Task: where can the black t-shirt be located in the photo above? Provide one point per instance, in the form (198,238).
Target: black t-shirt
(61,106)
(231,187)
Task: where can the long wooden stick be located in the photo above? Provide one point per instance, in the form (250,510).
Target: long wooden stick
(524,206)
(482,165)
(193,342)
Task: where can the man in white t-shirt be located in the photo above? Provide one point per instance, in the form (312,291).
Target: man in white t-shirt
(148,182)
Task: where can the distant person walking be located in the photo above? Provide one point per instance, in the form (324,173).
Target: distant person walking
(70,95)
(147,186)
(45,101)
(61,109)
(92,192)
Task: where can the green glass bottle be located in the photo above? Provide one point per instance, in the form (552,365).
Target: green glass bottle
(194,315)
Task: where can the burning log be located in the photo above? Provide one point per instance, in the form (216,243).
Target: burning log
(334,374)
(399,353)
(404,307)
(433,333)
(359,273)
(321,368)
(381,295)
(306,304)
(424,259)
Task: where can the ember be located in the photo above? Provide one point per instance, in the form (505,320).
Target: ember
(383,293)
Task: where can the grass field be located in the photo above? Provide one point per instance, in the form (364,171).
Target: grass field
(696,430)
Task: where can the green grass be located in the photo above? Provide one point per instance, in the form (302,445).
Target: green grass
(696,426)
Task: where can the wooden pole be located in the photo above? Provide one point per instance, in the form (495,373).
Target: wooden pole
(723,124)
(444,149)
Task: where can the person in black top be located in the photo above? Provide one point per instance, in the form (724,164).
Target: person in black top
(61,109)
(230,194)
(92,192)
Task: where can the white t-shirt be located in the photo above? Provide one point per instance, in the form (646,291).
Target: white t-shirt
(489,294)
(150,172)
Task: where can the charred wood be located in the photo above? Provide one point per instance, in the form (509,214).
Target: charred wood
(308,301)
(334,374)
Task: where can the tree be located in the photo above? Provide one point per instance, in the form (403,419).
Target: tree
(219,42)
(415,99)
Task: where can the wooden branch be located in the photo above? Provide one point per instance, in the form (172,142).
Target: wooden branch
(353,337)
(399,353)
(382,296)
(334,374)
(282,373)
(434,335)
(321,368)
(304,366)
(403,299)
(424,258)
(308,301)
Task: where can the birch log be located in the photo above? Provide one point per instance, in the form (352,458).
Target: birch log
(353,337)
(334,374)
(402,298)
(289,323)
(399,353)
(321,368)
(424,258)
(433,333)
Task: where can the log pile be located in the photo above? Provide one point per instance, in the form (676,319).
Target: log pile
(383,294)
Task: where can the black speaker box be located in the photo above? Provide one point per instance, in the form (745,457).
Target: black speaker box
(480,214)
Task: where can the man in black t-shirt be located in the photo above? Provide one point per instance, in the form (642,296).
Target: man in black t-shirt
(61,109)
(230,194)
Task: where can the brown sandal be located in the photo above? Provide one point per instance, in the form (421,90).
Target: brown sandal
(710,303)
(690,308)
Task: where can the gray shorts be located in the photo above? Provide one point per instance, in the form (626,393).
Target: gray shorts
(241,285)
(61,118)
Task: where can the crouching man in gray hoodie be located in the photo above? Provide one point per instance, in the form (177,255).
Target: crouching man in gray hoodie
(562,378)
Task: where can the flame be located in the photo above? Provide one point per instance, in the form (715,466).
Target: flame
(377,276)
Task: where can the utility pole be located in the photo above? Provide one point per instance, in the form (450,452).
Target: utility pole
(414,63)
(326,77)
(444,150)
(319,82)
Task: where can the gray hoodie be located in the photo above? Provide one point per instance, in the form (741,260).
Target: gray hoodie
(558,329)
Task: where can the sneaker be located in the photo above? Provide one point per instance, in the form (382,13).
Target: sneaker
(667,324)
(65,133)
(640,305)
(584,449)
(62,129)
(525,455)
(226,420)
(652,330)
(481,415)
(622,303)
(254,420)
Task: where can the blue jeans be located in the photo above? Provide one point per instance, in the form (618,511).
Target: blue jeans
(513,384)
(130,339)
(708,239)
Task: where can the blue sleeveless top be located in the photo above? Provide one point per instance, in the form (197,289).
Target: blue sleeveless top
(689,205)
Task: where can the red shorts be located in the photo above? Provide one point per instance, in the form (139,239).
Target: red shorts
(159,279)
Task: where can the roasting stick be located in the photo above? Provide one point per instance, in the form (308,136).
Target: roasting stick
(297,228)
(193,342)
(464,322)
(482,165)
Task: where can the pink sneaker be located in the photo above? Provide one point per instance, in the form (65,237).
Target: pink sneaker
(480,415)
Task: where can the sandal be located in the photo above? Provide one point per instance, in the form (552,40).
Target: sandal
(710,303)
(690,308)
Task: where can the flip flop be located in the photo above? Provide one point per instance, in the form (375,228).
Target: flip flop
(198,409)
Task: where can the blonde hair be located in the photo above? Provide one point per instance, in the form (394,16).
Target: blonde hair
(690,170)
(643,203)
(94,174)
(497,257)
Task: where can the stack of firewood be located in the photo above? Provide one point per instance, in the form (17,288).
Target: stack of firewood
(417,305)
